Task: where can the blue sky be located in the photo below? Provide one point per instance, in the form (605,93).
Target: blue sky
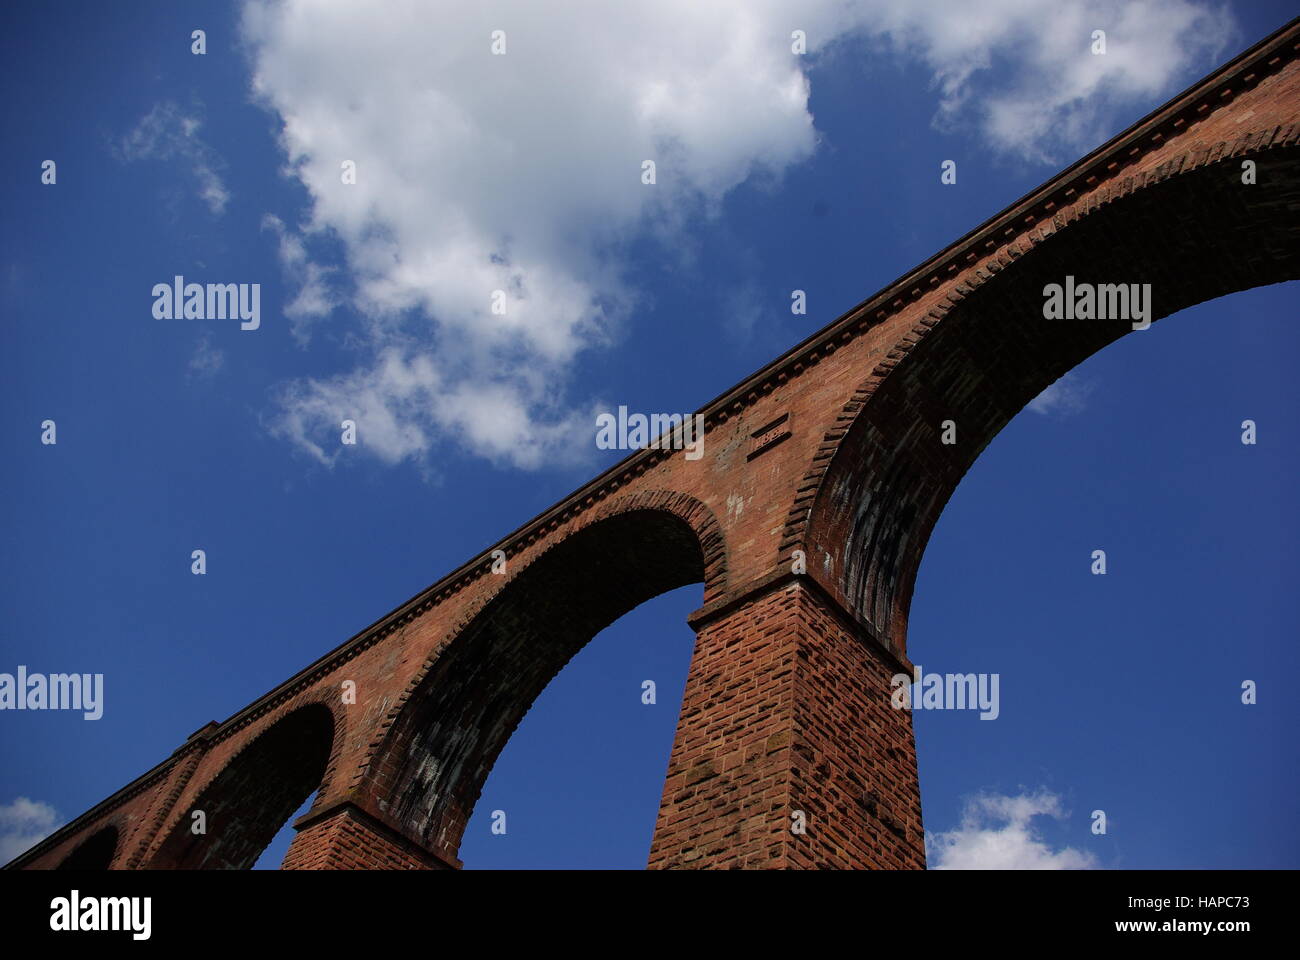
(820,173)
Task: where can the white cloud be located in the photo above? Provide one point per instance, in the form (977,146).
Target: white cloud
(996,833)
(23,824)
(522,173)
(206,359)
(1023,74)
(394,400)
(1067,396)
(314,298)
(167,133)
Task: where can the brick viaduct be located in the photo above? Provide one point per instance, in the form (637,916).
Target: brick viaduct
(829,455)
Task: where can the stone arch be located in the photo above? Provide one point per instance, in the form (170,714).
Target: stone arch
(254,793)
(96,852)
(1190,228)
(458,713)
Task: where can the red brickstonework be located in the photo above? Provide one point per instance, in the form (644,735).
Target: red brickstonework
(347,838)
(787,712)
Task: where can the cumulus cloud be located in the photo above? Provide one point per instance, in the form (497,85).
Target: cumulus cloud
(1067,396)
(1022,72)
(395,399)
(206,359)
(997,833)
(515,181)
(24,823)
(314,298)
(167,133)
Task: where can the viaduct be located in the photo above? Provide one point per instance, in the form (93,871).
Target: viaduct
(805,519)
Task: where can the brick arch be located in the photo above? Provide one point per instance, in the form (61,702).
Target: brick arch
(255,791)
(697,516)
(691,511)
(1189,227)
(96,852)
(458,713)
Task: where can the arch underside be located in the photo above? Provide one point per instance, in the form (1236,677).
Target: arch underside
(478,690)
(253,796)
(96,853)
(1193,237)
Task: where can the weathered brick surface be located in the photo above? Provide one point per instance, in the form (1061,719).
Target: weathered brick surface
(786,712)
(347,839)
(263,779)
(726,800)
(853,756)
(852,483)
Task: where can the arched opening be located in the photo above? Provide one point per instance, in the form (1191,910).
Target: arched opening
(1121,686)
(1192,237)
(254,795)
(579,783)
(273,855)
(439,753)
(96,853)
